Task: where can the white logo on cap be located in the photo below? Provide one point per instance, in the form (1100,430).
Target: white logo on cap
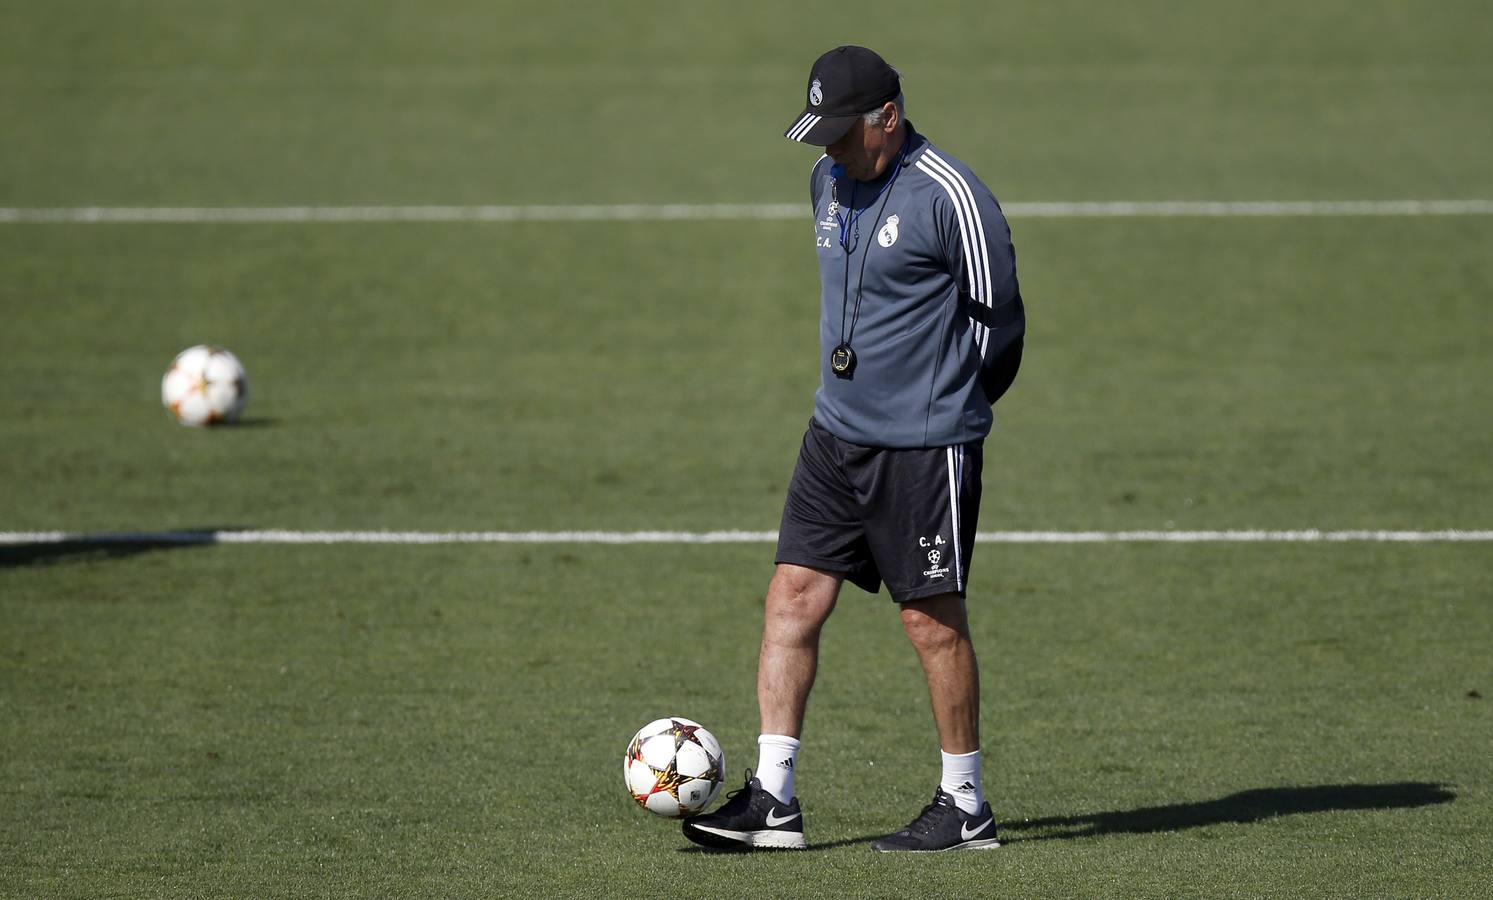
(888,237)
(816,94)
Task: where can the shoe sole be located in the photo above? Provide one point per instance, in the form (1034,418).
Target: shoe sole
(722,839)
(990,844)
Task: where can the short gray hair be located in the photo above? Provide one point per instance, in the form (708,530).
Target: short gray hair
(874,116)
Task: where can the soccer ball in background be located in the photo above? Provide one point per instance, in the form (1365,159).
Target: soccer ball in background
(674,767)
(205,386)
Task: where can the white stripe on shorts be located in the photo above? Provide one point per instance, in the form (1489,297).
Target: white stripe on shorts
(956,478)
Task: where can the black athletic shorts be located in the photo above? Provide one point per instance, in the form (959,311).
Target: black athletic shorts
(906,517)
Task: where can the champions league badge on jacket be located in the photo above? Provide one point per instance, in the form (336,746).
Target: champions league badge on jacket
(831,220)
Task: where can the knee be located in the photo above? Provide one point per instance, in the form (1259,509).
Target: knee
(938,627)
(800,599)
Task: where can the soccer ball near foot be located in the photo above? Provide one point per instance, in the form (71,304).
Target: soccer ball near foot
(674,767)
(205,386)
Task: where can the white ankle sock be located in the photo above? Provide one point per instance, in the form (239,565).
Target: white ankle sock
(961,780)
(777,754)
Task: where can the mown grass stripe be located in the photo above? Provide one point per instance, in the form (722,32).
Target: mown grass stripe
(636,212)
(718,537)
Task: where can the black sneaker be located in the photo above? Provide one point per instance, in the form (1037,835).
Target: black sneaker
(750,817)
(943,826)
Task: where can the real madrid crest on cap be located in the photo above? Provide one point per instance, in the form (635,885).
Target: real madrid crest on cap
(844,84)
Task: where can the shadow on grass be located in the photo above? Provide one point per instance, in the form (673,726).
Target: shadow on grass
(1241,808)
(826,845)
(96,547)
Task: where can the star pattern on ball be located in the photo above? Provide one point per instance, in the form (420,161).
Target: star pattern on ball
(684,733)
(669,780)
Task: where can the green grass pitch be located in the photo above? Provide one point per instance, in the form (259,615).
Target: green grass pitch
(354,721)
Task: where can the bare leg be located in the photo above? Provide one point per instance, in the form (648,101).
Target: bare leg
(799,600)
(939,630)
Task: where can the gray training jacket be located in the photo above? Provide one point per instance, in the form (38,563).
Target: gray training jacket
(926,296)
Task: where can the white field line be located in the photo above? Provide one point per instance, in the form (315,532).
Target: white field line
(716,537)
(636,212)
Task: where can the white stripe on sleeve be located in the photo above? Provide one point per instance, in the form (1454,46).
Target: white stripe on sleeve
(982,248)
(966,231)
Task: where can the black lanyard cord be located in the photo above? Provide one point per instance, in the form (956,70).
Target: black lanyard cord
(842,359)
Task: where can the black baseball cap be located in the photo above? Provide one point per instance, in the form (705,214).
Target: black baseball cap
(844,84)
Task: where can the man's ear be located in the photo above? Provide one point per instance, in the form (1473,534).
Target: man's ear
(890,119)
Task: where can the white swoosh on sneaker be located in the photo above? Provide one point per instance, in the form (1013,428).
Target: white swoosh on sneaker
(965,834)
(774,821)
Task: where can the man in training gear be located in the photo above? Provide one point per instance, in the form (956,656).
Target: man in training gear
(921,327)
